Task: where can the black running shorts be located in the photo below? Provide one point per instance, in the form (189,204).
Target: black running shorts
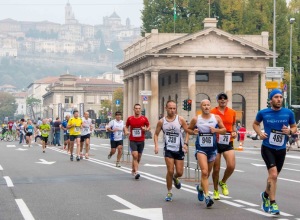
(137,146)
(115,144)
(273,157)
(224,147)
(176,155)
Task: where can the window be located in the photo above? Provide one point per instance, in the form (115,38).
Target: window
(162,81)
(169,80)
(68,99)
(176,78)
(202,77)
(237,77)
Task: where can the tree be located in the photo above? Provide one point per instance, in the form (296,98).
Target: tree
(8,105)
(117,95)
(32,103)
(105,109)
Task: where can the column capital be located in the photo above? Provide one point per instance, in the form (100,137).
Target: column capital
(154,70)
(192,71)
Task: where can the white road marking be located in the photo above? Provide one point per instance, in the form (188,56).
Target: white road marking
(235,170)
(259,212)
(246,203)
(10,145)
(292,156)
(285,214)
(24,209)
(247,158)
(154,165)
(295,181)
(42,161)
(124,202)
(293,164)
(291,169)
(9,182)
(1,168)
(232,203)
(21,149)
(258,165)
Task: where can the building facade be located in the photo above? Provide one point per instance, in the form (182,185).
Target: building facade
(197,66)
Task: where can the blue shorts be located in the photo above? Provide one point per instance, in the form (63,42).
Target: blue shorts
(211,155)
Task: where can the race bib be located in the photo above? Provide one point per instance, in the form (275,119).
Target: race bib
(206,140)
(224,138)
(118,135)
(86,129)
(77,129)
(276,138)
(29,130)
(172,141)
(44,132)
(136,132)
(68,131)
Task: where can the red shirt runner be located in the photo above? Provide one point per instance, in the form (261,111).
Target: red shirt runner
(136,131)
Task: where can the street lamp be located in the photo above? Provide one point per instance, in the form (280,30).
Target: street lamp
(292,20)
(112,63)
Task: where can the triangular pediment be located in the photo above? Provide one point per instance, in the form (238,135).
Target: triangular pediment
(212,42)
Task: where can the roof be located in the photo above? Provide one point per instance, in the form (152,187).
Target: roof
(114,15)
(20,95)
(6,86)
(95,81)
(49,79)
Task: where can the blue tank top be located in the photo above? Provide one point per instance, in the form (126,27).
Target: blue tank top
(30,129)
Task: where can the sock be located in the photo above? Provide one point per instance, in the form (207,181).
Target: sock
(273,201)
(266,195)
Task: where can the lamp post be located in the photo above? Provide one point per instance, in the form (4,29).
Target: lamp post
(292,20)
(112,63)
(274,34)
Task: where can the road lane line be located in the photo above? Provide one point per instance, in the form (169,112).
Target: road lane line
(124,202)
(24,209)
(259,212)
(285,214)
(246,203)
(9,182)
(293,164)
(10,145)
(232,203)
(1,168)
(295,181)
(291,169)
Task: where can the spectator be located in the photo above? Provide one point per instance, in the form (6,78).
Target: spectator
(56,131)
(242,132)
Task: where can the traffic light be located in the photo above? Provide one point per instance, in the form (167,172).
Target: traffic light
(189,104)
(185,104)
(143,112)
(268,103)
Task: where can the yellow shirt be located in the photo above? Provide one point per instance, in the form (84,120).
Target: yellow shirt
(77,129)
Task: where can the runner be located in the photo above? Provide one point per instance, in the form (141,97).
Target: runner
(86,130)
(21,130)
(117,129)
(174,145)
(273,150)
(138,125)
(66,133)
(225,145)
(45,129)
(205,126)
(75,125)
(29,129)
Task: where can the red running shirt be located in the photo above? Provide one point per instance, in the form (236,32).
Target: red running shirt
(136,124)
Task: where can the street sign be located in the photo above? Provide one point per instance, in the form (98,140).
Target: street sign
(271,84)
(295,106)
(146,92)
(285,94)
(118,102)
(284,87)
(145,98)
(145,102)
(274,72)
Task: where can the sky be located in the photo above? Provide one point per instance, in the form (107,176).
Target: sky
(86,11)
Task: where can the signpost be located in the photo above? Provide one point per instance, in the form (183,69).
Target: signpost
(145,92)
(274,72)
(272,84)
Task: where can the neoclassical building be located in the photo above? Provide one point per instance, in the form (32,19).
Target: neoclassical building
(197,66)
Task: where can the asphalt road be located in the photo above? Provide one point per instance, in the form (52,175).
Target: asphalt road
(34,185)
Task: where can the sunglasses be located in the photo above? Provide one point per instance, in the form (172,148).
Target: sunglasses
(222,97)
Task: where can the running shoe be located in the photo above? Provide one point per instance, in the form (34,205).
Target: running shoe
(137,176)
(265,205)
(177,183)
(169,197)
(109,156)
(71,157)
(43,151)
(216,195)
(200,193)
(208,201)
(274,209)
(118,164)
(81,156)
(78,158)
(224,188)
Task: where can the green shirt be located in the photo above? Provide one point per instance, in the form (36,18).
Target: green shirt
(45,128)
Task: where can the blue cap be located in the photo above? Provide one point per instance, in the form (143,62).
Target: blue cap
(274,92)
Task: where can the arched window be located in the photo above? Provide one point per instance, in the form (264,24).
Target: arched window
(239,105)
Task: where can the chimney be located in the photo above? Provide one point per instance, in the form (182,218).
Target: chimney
(210,23)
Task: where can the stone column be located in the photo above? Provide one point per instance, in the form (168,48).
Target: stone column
(192,90)
(130,101)
(263,91)
(125,100)
(147,86)
(135,90)
(154,111)
(141,87)
(228,87)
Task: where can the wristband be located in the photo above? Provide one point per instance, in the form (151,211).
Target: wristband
(186,144)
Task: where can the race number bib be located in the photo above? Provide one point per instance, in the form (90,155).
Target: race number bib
(136,132)
(77,129)
(118,135)
(29,130)
(206,140)
(86,129)
(276,138)
(224,138)
(44,132)
(172,141)
(68,131)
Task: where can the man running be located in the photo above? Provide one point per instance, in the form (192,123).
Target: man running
(29,129)
(138,125)
(273,150)
(86,130)
(75,125)
(206,126)
(174,145)
(66,133)
(45,129)
(225,145)
(117,129)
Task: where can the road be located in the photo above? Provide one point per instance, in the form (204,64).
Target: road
(46,186)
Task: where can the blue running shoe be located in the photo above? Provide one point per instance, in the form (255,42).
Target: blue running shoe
(200,193)
(265,205)
(274,209)
(209,201)
(169,197)
(177,183)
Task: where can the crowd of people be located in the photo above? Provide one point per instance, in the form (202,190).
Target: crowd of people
(215,130)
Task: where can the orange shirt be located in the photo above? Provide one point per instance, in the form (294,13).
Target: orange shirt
(228,118)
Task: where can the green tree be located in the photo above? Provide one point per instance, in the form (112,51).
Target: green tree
(8,105)
(32,104)
(105,109)
(117,95)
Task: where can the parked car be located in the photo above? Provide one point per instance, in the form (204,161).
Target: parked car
(254,136)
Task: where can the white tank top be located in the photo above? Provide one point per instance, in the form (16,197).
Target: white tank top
(86,123)
(172,134)
(205,138)
(117,135)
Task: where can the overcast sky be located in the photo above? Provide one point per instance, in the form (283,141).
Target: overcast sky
(86,11)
